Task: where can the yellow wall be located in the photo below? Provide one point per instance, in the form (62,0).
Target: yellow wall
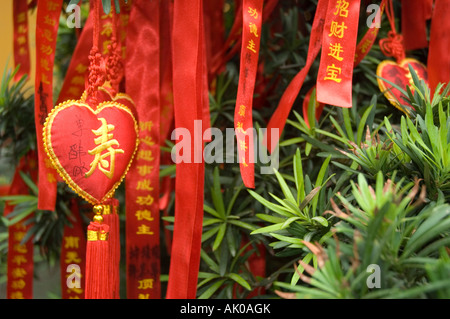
(6,29)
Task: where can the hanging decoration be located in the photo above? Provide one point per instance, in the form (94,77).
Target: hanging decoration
(397,71)
(20,261)
(438,62)
(188,90)
(92,142)
(334,79)
(21,41)
(112,117)
(73,255)
(47,22)
(243,122)
(142,182)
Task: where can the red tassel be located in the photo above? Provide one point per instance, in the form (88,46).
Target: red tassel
(98,277)
(111,218)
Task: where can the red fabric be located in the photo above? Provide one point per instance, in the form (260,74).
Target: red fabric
(98,279)
(365,44)
(73,251)
(334,79)
(414,27)
(438,57)
(21,41)
(188,87)
(70,136)
(233,42)
(166,91)
(142,181)
(399,74)
(279,117)
(112,220)
(47,22)
(214,31)
(243,121)
(20,255)
(74,81)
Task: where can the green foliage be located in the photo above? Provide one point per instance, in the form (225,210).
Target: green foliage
(17,130)
(297,215)
(387,226)
(426,142)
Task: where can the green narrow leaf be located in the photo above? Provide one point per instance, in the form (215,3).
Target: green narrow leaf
(320,181)
(220,235)
(362,125)
(216,194)
(212,289)
(298,176)
(273,207)
(240,280)
(295,277)
(284,187)
(321,220)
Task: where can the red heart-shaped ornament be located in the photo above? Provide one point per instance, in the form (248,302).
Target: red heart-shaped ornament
(91,149)
(398,73)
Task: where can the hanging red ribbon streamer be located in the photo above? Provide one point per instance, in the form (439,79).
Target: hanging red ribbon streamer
(232,44)
(438,57)
(243,122)
(73,256)
(166,112)
(367,41)
(21,42)
(278,119)
(414,27)
(142,180)
(20,254)
(188,87)
(334,79)
(47,21)
(75,79)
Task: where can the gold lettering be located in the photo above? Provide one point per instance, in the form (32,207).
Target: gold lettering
(104,141)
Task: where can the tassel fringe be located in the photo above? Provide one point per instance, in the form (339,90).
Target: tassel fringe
(99,282)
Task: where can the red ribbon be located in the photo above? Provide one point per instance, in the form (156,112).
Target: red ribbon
(214,29)
(20,254)
(414,27)
(47,21)
(233,42)
(188,87)
(73,256)
(74,81)
(367,41)
(21,42)
(142,180)
(334,79)
(243,123)
(278,119)
(438,58)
